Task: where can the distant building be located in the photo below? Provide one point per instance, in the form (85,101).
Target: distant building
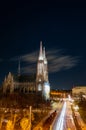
(33,83)
(77,90)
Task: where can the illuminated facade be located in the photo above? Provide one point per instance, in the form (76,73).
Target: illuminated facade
(42,82)
(11,85)
(8,84)
(77,90)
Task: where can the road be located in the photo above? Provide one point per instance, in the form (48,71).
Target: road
(69,121)
(65,120)
(59,123)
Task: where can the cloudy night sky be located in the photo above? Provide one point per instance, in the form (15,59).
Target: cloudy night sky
(62,29)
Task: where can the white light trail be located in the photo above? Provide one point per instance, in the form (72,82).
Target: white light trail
(60,121)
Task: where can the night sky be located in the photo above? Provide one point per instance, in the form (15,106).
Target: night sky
(62,29)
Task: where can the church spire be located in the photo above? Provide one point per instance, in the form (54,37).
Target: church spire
(40,52)
(44,52)
(44,56)
(19,68)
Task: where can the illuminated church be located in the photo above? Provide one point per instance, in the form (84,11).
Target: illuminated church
(42,81)
(27,84)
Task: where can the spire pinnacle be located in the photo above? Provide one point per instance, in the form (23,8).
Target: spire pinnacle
(40,47)
(44,52)
(19,68)
(40,53)
(44,56)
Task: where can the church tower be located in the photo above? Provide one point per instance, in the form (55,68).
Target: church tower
(42,82)
(45,68)
(39,77)
(8,84)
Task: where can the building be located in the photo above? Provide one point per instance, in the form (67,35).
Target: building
(39,83)
(42,82)
(77,90)
(22,84)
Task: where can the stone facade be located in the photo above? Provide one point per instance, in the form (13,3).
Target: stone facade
(10,85)
(77,90)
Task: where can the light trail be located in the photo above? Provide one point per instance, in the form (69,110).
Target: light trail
(60,121)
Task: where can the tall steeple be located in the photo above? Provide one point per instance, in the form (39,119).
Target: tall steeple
(19,68)
(45,67)
(40,52)
(42,81)
(44,56)
(44,52)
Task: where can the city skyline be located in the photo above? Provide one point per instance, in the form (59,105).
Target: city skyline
(62,29)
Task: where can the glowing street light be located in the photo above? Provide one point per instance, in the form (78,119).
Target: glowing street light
(76,108)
